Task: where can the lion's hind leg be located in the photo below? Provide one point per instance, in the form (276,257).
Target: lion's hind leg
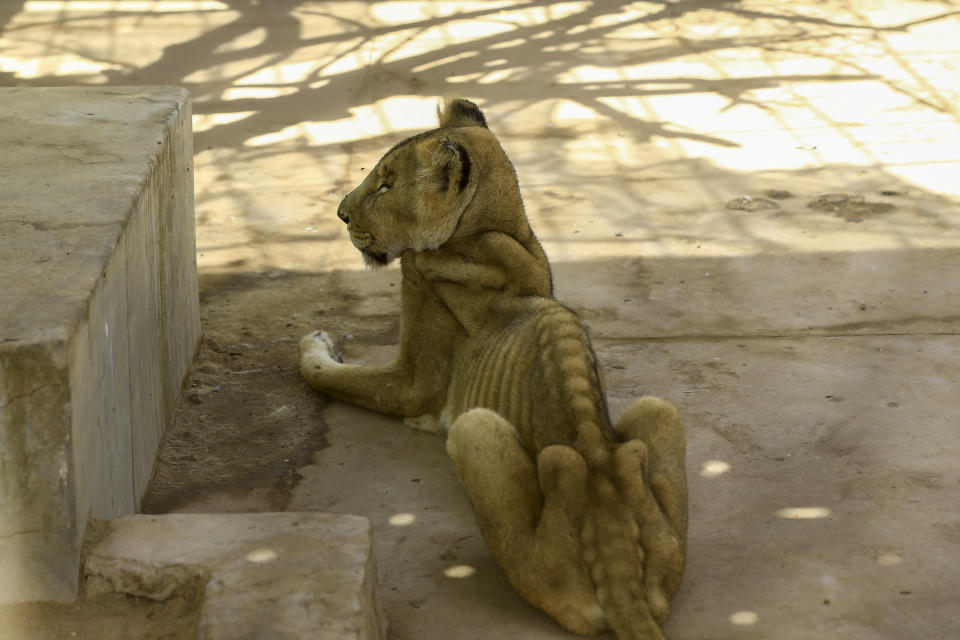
(657,424)
(650,465)
(530,515)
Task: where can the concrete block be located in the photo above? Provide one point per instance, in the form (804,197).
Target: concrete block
(261,575)
(99,313)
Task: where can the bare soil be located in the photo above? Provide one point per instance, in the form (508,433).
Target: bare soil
(111,616)
(247,420)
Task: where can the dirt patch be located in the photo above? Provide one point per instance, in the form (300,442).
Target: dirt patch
(851,208)
(247,420)
(111,616)
(748,203)
(778,194)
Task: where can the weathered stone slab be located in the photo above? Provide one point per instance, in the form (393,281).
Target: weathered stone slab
(99,316)
(261,575)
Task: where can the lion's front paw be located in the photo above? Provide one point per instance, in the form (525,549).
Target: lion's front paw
(427,422)
(316,349)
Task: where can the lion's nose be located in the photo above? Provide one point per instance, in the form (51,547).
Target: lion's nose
(343,215)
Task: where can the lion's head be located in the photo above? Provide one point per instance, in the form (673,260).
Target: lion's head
(417,195)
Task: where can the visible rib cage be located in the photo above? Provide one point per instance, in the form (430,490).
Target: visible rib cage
(537,369)
(496,382)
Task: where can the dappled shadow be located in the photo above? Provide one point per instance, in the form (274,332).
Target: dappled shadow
(667,88)
(521,52)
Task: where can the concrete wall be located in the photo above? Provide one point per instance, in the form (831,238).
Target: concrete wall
(99,315)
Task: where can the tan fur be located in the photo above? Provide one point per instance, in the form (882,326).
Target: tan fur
(587,519)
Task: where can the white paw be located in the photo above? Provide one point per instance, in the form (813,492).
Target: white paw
(427,422)
(317,349)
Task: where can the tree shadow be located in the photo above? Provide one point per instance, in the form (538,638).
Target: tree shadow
(522,57)
(532,47)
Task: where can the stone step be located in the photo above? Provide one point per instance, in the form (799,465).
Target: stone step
(291,575)
(99,313)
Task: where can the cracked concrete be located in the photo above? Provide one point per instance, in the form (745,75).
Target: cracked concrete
(811,349)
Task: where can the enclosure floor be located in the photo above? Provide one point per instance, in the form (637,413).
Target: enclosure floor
(753,205)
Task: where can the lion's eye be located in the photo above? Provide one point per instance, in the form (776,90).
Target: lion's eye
(384,187)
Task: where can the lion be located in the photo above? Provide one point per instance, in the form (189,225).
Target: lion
(586,518)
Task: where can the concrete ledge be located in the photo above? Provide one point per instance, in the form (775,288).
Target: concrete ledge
(99,315)
(261,575)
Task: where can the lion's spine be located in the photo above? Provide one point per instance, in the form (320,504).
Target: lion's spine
(609,539)
(564,348)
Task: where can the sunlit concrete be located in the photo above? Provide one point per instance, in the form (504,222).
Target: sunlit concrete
(686,102)
(753,204)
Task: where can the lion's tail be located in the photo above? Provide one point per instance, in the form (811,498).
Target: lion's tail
(615,562)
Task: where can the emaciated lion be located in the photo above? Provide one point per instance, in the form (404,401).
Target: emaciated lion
(587,518)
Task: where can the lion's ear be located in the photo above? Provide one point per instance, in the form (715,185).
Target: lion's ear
(457,112)
(444,163)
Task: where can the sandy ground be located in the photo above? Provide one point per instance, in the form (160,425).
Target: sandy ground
(753,205)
